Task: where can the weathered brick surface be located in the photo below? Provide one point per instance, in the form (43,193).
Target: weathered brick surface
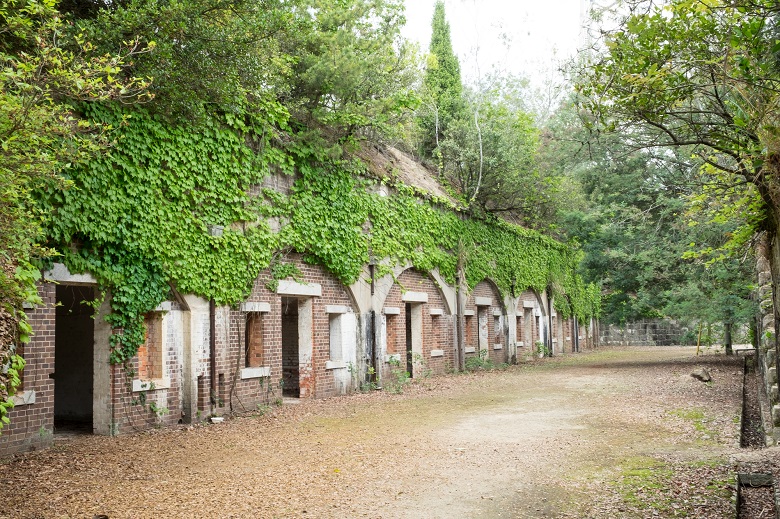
(32,425)
(133,411)
(437,330)
(250,343)
(485,324)
(316,380)
(528,323)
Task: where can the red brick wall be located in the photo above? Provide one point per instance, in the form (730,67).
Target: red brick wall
(437,330)
(32,425)
(244,395)
(131,412)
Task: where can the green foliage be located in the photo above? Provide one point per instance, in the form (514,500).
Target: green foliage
(651,224)
(43,70)
(698,75)
(398,379)
(480,362)
(443,91)
(207,52)
(490,158)
(141,213)
(352,70)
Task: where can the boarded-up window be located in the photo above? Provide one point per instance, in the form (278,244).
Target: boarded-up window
(253,340)
(470,333)
(150,354)
(392,334)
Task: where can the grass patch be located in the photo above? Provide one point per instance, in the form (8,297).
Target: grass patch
(699,420)
(652,487)
(644,484)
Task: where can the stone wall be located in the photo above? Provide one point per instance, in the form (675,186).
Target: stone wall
(647,333)
(767,351)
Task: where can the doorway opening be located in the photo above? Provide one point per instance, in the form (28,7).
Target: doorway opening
(528,319)
(484,339)
(409,341)
(290,349)
(74,347)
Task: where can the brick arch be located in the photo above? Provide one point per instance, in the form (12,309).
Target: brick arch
(481,289)
(429,315)
(530,294)
(485,322)
(527,325)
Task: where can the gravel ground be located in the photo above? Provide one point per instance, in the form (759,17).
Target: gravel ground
(613,433)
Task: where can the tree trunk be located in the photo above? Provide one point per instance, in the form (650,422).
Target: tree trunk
(727,338)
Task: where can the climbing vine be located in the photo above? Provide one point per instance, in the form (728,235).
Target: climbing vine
(142,219)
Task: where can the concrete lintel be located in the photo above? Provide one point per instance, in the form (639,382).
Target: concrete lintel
(293,288)
(437,353)
(498,346)
(395,357)
(483,301)
(528,304)
(146,385)
(255,306)
(437,311)
(520,343)
(23,398)
(259,372)
(165,306)
(470,349)
(414,297)
(497,312)
(335,364)
(468,312)
(391,310)
(61,274)
(336,309)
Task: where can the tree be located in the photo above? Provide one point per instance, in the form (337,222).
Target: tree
(696,75)
(493,164)
(442,86)
(351,70)
(340,65)
(653,227)
(43,72)
(701,77)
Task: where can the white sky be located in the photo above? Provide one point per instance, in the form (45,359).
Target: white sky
(522,37)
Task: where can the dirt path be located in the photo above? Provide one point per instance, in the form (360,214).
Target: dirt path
(618,433)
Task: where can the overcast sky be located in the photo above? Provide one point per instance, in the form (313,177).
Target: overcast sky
(525,37)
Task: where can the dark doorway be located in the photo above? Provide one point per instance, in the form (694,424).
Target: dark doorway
(409,355)
(290,356)
(74,344)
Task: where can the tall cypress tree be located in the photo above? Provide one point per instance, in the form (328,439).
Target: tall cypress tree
(442,84)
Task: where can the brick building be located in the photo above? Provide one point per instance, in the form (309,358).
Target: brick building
(307,337)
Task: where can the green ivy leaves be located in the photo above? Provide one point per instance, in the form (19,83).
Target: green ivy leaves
(142,217)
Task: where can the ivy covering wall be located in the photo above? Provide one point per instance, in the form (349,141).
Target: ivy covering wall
(138,219)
